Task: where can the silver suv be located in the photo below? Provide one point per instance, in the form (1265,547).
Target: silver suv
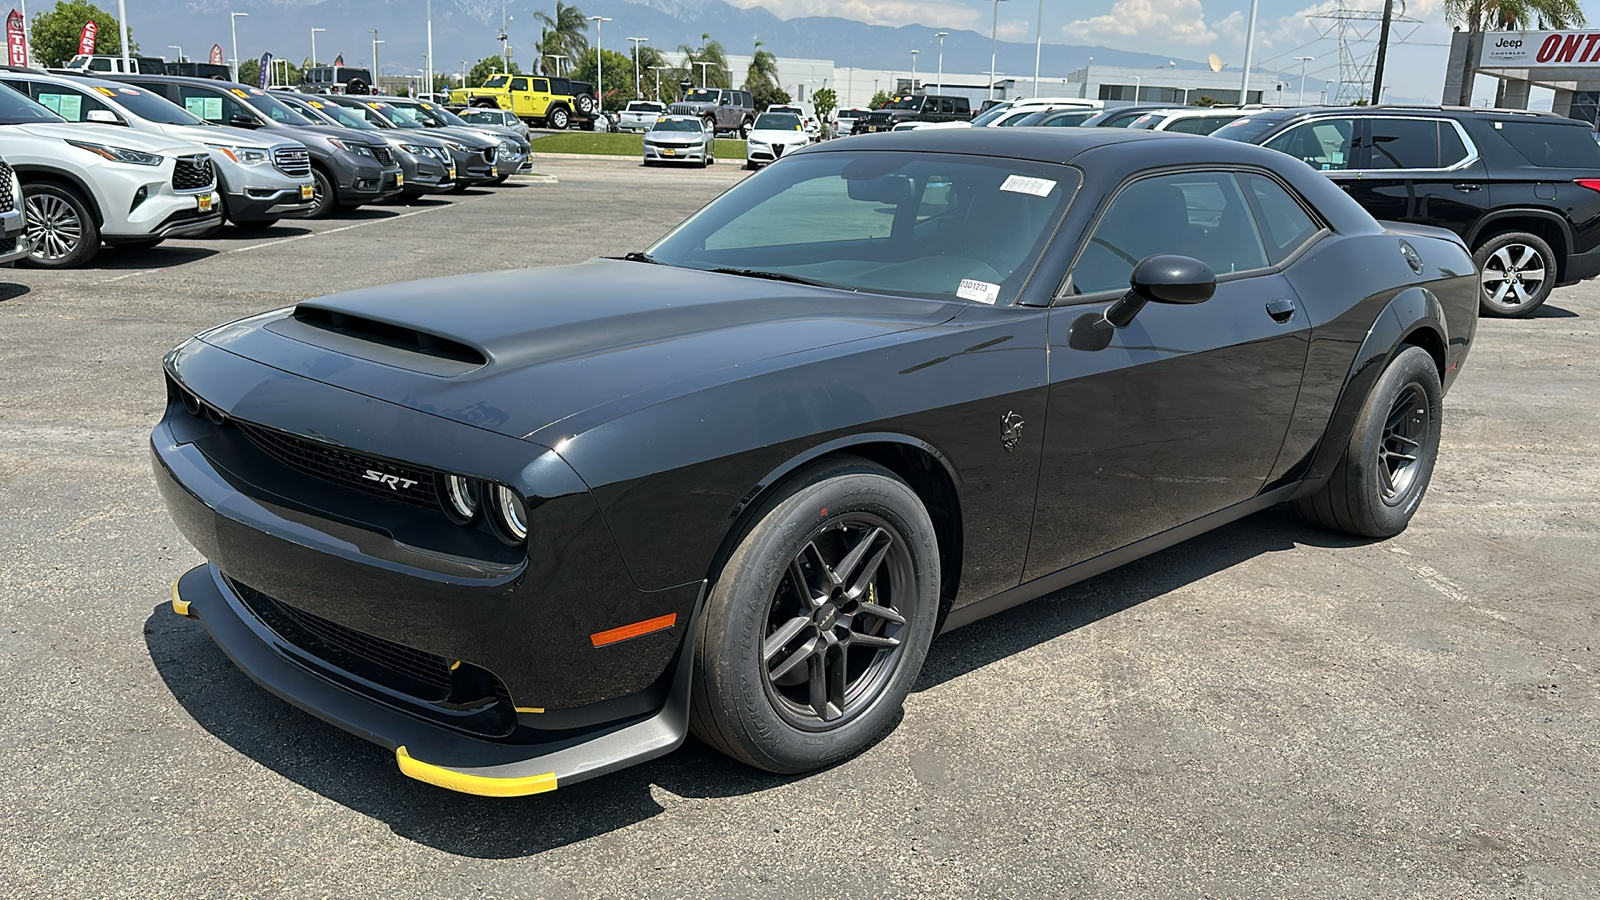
(723,109)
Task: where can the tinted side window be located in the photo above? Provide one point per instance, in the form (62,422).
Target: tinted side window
(1195,125)
(213,106)
(1552,144)
(1285,224)
(1404,143)
(539,84)
(1198,214)
(1323,144)
(1451,148)
(519,84)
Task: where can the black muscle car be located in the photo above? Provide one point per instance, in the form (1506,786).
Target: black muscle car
(525,528)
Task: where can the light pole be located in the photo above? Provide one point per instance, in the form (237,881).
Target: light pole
(314,44)
(122,23)
(599,62)
(1249,51)
(1302,60)
(994,29)
(463,72)
(1038,47)
(703,66)
(377,72)
(429,74)
(1138,82)
(941,36)
(636,42)
(657,70)
(914,70)
(558,59)
(177,48)
(233,27)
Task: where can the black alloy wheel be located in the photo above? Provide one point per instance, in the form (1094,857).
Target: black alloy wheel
(61,230)
(1517,271)
(819,622)
(323,197)
(1378,485)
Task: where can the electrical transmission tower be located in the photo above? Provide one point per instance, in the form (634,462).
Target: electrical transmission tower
(1353,27)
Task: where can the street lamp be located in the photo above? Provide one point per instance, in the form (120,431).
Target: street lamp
(1038,47)
(463,72)
(941,36)
(314,44)
(429,74)
(658,70)
(558,59)
(599,62)
(1249,50)
(233,19)
(703,66)
(1302,60)
(377,72)
(122,24)
(177,48)
(636,42)
(994,29)
(914,70)
(1138,82)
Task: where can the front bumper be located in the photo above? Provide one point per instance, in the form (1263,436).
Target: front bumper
(263,204)
(692,153)
(13,236)
(540,762)
(761,154)
(165,216)
(368,182)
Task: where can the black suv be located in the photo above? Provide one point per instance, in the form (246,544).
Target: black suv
(1521,188)
(914,108)
(335,80)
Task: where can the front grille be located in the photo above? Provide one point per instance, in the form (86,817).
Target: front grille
(292,161)
(193,173)
(488,155)
(343,467)
(6,200)
(385,158)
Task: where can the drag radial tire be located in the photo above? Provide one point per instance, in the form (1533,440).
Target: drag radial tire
(1378,485)
(819,622)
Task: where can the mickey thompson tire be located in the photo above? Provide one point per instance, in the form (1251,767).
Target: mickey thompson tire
(1378,485)
(819,623)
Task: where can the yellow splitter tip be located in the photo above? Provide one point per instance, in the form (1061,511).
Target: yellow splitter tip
(180,605)
(482,785)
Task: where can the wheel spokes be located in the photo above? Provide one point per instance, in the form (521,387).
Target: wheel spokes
(882,612)
(781,638)
(808,650)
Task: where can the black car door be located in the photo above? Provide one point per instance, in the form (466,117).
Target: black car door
(1420,169)
(1184,413)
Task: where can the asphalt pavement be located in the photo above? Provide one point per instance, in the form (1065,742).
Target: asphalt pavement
(1269,710)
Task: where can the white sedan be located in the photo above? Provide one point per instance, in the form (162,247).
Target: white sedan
(774,134)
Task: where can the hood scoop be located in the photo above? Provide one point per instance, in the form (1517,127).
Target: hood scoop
(382,342)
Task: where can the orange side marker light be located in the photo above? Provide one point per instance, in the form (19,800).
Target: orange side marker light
(612,636)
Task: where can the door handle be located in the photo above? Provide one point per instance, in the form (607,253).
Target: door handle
(1468,188)
(1281,310)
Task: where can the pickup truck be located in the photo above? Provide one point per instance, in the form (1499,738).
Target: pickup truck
(914,108)
(535,99)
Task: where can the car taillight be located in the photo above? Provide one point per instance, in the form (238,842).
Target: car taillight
(1592,184)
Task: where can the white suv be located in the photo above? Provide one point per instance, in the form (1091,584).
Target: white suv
(262,177)
(83,184)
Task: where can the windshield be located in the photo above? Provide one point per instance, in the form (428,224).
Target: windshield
(905,103)
(701,95)
(994,112)
(484,117)
(271,107)
(936,225)
(644,106)
(678,125)
(1246,129)
(150,107)
(778,122)
(401,116)
(15,109)
(497,81)
(438,115)
(359,119)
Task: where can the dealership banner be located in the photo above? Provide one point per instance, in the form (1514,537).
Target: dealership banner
(216,54)
(86,38)
(16,42)
(1533,49)
(266,71)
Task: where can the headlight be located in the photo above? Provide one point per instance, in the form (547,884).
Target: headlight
(416,150)
(120,154)
(506,148)
(249,156)
(461,498)
(509,514)
(761,144)
(357,149)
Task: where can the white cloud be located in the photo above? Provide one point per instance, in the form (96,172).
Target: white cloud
(1014,30)
(932,13)
(1168,21)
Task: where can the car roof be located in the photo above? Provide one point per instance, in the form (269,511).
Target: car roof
(1285,113)
(1052,145)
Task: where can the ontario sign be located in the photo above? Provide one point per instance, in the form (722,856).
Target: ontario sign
(1540,49)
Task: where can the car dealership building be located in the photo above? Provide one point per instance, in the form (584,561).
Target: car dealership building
(1566,62)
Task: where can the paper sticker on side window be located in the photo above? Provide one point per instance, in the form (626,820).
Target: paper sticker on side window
(979,291)
(1022,184)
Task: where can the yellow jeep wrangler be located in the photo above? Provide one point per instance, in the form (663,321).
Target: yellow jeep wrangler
(531,98)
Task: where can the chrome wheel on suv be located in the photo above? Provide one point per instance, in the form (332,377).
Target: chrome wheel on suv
(1517,272)
(61,230)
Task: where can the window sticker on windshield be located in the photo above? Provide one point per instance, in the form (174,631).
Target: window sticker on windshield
(426,106)
(980,291)
(1022,184)
(315,105)
(128,91)
(208,108)
(106,91)
(239,93)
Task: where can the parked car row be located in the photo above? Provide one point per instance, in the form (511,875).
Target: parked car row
(133,159)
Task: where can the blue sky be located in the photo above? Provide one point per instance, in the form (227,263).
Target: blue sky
(1182,28)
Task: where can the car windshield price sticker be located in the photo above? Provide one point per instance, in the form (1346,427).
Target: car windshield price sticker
(209,108)
(980,291)
(1022,184)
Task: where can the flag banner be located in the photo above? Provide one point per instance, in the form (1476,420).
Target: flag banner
(216,54)
(266,71)
(16,43)
(86,38)
(339,60)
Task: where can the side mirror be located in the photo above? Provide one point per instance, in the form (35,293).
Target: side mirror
(239,121)
(104,117)
(1163,278)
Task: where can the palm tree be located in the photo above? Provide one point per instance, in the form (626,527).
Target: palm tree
(1505,15)
(709,52)
(564,34)
(761,79)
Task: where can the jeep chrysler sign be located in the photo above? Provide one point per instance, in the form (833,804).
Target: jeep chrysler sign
(1536,49)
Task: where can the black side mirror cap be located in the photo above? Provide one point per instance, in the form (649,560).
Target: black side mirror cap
(1163,278)
(243,122)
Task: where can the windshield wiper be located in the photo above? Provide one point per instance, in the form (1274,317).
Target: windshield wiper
(775,276)
(639,256)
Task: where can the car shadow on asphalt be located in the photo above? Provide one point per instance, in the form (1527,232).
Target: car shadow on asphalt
(269,233)
(1015,630)
(10,291)
(363,212)
(363,776)
(158,257)
(1549,311)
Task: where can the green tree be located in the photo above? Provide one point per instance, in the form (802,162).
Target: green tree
(618,87)
(824,101)
(565,34)
(761,79)
(649,59)
(1479,16)
(441,83)
(1206,100)
(879,100)
(489,65)
(54,33)
(710,52)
